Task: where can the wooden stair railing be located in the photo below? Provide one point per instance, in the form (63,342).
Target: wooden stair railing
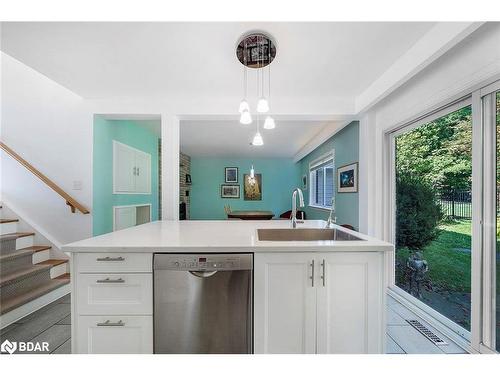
(70,201)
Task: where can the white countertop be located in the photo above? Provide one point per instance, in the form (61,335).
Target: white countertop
(217,236)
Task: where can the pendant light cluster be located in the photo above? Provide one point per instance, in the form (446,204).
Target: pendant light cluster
(256,51)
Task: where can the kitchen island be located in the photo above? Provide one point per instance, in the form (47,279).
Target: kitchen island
(311,295)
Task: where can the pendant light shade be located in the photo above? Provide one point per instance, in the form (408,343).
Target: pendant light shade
(257,140)
(246,117)
(262,105)
(269,123)
(244,106)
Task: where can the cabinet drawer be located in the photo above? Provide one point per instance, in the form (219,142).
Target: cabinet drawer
(114,334)
(120,294)
(114,262)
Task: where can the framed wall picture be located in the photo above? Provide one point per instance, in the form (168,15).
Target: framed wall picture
(252,187)
(231,175)
(304,182)
(230,191)
(347,178)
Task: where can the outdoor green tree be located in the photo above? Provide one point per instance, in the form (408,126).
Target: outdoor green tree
(439,152)
(418,213)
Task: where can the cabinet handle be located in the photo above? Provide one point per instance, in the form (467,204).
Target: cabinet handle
(138,171)
(109,259)
(323,269)
(108,280)
(107,323)
(134,171)
(312,273)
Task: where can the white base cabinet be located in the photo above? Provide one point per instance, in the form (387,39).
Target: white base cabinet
(319,303)
(112,303)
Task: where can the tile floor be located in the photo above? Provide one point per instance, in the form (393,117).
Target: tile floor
(53,324)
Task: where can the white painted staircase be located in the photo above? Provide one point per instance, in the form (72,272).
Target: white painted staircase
(30,277)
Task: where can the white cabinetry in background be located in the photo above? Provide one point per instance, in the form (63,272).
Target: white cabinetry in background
(131,170)
(319,303)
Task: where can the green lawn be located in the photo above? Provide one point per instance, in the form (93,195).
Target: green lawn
(449,268)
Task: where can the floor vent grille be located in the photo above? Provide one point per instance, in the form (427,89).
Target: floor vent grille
(435,339)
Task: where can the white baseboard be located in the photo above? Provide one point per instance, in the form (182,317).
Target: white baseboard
(30,307)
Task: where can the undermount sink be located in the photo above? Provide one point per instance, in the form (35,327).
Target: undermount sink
(305,234)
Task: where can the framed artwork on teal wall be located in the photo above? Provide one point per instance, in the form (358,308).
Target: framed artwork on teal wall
(347,178)
(230,191)
(252,190)
(231,175)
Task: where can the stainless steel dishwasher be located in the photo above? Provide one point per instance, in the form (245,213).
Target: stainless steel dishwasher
(203,303)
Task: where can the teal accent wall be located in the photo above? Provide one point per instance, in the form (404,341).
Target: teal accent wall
(129,133)
(346,146)
(279,178)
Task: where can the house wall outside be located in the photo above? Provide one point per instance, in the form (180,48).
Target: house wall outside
(133,135)
(345,143)
(279,178)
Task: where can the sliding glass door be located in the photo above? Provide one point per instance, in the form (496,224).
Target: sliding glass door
(497,221)
(433,212)
(445,211)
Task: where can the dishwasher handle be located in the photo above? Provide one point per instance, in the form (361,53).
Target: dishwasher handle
(203,274)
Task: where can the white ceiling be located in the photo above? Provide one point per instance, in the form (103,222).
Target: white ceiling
(232,139)
(96,60)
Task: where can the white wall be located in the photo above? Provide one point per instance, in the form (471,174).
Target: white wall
(473,61)
(44,123)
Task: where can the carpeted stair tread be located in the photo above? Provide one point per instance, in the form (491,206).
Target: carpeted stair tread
(23,273)
(16,235)
(16,254)
(18,300)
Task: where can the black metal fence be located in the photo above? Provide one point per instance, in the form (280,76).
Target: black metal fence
(457,204)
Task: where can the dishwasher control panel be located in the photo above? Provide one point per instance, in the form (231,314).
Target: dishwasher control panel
(205,262)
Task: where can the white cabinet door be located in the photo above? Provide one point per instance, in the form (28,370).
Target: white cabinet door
(125,217)
(285,304)
(123,168)
(115,294)
(114,335)
(143,172)
(351,311)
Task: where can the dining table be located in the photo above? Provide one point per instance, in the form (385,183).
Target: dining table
(251,215)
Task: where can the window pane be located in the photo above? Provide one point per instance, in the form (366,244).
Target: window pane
(328,186)
(320,186)
(433,214)
(498,227)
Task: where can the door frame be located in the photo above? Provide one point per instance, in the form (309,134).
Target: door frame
(485,335)
(481,338)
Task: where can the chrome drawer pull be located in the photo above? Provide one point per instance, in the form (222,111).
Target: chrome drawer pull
(312,273)
(323,276)
(107,323)
(109,259)
(108,280)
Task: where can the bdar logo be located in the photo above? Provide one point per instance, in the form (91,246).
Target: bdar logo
(8,347)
